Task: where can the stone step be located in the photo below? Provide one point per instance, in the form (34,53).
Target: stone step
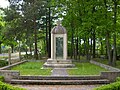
(58,65)
(97,77)
(60,82)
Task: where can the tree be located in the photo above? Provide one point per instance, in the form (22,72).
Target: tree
(2,23)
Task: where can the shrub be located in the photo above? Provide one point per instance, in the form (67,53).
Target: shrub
(4,86)
(117,79)
(112,86)
(1,78)
(3,63)
(28,56)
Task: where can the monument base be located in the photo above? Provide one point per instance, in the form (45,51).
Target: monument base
(59,63)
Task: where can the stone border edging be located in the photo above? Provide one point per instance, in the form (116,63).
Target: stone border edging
(110,68)
(9,66)
(10,74)
(111,75)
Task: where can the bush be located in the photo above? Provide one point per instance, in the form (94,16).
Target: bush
(4,86)
(3,63)
(117,79)
(1,78)
(112,86)
(28,56)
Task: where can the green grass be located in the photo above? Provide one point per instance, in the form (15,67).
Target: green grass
(117,64)
(32,68)
(105,61)
(86,69)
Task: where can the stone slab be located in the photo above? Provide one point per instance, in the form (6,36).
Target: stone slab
(59,72)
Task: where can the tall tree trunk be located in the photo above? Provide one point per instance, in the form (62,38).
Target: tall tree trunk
(87,49)
(30,47)
(79,52)
(106,52)
(0,48)
(94,43)
(74,53)
(72,42)
(114,51)
(49,43)
(107,37)
(72,45)
(114,37)
(35,38)
(102,50)
(108,49)
(84,52)
(35,35)
(91,48)
(12,47)
(77,48)
(46,37)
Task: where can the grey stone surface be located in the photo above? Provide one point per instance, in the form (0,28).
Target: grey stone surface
(59,72)
(9,74)
(59,87)
(111,75)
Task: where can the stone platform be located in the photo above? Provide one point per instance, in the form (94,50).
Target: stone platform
(59,63)
(60,80)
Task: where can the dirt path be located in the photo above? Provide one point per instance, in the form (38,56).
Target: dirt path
(59,87)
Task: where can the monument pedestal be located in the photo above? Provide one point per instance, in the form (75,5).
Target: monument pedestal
(59,63)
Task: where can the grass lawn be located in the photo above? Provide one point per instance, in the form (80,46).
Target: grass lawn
(86,69)
(32,68)
(104,61)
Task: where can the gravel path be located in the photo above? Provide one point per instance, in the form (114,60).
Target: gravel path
(59,72)
(59,87)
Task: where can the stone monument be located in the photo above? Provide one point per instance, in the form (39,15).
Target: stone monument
(58,48)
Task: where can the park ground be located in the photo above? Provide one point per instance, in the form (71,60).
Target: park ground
(59,87)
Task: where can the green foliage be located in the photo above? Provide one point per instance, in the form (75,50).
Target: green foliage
(28,56)
(118,79)
(86,69)
(4,86)
(3,63)
(81,18)
(112,86)
(1,78)
(32,68)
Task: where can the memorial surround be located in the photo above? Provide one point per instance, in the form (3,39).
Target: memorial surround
(58,48)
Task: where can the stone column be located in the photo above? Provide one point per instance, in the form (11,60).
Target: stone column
(65,46)
(52,46)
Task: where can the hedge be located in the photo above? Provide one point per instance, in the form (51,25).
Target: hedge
(3,63)
(118,79)
(1,78)
(4,86)
(112,86)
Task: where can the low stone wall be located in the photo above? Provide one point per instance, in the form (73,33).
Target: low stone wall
(110,68)
(9,74)
(12,65)
(111,75)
